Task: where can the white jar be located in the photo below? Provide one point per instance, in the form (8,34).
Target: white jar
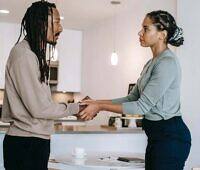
(132,123)
(118,123)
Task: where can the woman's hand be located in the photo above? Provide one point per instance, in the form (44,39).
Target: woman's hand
(90,111)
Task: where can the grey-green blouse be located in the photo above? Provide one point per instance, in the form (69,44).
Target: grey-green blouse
(156,94)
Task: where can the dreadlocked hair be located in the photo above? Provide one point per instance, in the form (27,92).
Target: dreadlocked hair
(34,27)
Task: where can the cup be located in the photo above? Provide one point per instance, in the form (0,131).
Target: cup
(79,153)
(111,121)
(118,123)
(132,123)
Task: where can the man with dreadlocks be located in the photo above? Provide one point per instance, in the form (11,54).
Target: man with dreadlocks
(28,105)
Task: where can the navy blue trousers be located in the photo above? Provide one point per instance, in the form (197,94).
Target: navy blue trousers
(169,143)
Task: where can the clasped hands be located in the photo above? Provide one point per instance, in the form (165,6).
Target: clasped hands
(88,109)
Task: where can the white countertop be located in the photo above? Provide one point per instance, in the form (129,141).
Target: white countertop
(94,161)
(84,129)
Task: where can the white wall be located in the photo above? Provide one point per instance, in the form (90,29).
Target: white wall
(188,17)
(69,53)
(9,34)
(97,48)
(100,80)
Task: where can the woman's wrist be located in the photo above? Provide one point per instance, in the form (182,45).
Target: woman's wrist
(103,106)
(100,105)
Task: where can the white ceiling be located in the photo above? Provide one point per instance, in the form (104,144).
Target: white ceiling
(78,14)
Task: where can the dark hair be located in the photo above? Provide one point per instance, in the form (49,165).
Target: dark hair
(165,21)
(34,26)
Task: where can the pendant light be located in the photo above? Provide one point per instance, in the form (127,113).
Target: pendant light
(114,56)
(4,11)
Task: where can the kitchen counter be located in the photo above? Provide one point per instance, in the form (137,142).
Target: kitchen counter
(77,129)
(59,129)
(94,139)
(95,160)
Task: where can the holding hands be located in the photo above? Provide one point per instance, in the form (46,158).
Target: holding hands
(91,109)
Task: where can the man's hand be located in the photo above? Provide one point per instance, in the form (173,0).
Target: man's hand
(81,108)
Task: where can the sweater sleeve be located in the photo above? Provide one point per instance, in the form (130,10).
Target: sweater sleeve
(25,74)
(162,76)
(133,96)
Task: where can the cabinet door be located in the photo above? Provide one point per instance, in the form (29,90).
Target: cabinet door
(69,56)
(8,36)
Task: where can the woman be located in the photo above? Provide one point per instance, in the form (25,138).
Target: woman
(156,96)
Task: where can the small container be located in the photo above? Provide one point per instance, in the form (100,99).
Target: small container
(118,123)
(132,123)
(138,122)
(79,153)
(112,119)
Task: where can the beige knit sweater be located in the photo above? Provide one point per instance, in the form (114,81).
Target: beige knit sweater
(27,104)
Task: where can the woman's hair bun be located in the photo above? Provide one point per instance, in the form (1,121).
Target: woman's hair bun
(177,38)
(163,20)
